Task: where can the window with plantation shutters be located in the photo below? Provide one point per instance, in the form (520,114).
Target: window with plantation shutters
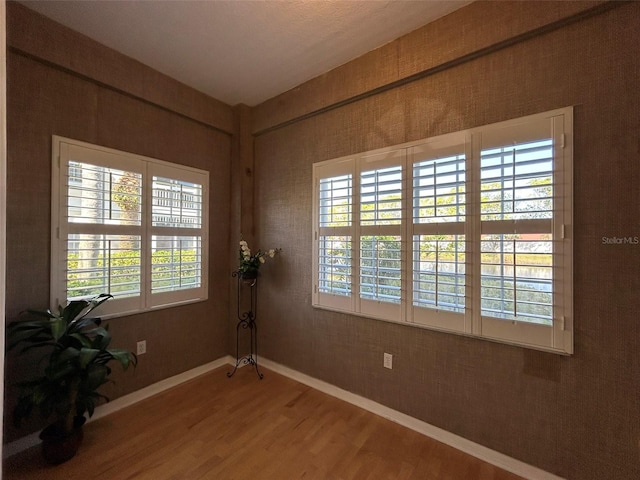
(469,232)
(126,225)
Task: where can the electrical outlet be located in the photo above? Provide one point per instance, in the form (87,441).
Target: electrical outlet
(388,361)
(142,347)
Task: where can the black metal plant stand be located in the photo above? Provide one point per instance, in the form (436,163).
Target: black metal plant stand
(247,320)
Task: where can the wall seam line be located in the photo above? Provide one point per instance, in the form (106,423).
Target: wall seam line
(509,42)
(99,83)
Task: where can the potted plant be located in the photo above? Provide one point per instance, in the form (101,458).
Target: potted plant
(75,366)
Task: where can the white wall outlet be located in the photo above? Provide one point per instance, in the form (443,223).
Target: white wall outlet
(388,361)
(142,347)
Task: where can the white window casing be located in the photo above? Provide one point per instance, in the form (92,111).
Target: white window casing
(468,232)
(128,225)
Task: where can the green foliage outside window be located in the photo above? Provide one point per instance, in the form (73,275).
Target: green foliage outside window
(380,254)
(120,273)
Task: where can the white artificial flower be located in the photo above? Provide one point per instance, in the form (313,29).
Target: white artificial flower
(262,260)
(243,243)
(272,253)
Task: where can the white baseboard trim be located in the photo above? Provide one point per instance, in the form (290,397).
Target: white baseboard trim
(474,449)
(124,401)
(154,389)
(20,445)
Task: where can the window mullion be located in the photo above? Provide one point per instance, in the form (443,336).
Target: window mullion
(355,243)
(472,234)
(145,274)
(406,242)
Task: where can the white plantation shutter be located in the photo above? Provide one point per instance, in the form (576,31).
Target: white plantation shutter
(103,231)
(336,201)
(516,207)
(177,243)
(335,250)
(335,271)
(381,208)
(126,225)
(517,277)
(97,244)
(380,268)
(176,263)
(99,263)
(439,273)
(381,196)
(380,205)
(439,188)
(333,236)
(439,215)
(103,195)
(524,260)
(176,203)
(467,232)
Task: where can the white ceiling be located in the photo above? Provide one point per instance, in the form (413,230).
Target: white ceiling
(241,51)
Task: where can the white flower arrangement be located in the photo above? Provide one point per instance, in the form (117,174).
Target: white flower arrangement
(249,264)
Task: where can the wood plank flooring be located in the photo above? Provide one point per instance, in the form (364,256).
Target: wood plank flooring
(241,428)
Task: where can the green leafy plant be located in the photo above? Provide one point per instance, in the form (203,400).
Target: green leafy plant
(75,362)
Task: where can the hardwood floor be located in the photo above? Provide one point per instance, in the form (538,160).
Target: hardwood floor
(214,427)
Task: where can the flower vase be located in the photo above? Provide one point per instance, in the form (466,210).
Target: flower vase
(249,276)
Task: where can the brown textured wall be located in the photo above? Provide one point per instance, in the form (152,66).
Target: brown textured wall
(577,416)
(36,35)
(44,100)
(446,40)
(242,213)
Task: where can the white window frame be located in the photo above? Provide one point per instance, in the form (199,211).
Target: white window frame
(65,150)
(557,337)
